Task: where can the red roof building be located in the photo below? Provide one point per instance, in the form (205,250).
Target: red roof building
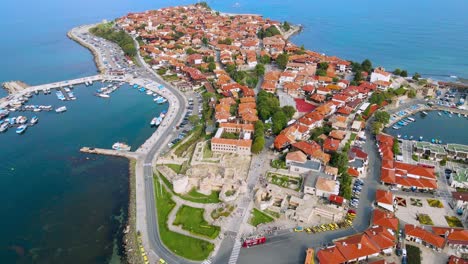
(384,219)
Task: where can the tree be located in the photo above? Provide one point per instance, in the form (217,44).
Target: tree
(397,71)
(282,60)
(358,76)
(321,72)
(345,185)
(366,65)
(258,144)
(280,121)
(289,111)
(204,41)
(416,76)
(396,146)
(190,51)
(412,93)
(382,117)
(376,127)
(340,160)
(211,66)
(286,26)
(404,73)
(265,59)
(336,79)
(322,66)
(194,119)
(259,69)
(267,105)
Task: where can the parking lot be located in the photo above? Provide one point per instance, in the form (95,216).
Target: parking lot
(194,107)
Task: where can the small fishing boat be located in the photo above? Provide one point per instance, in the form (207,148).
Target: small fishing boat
(61,109)
(411,137)
(34,120)
(4,127)
(153,121)
(439,113)
(399,136)
(395,127)
(102,95)
(420,138)
(21,129)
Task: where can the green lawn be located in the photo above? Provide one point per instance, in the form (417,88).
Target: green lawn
(258,217)
(353,136)
(191,219)
(425,219)
(175,167)
(187,247)
(414,254)
(453,221)
(193,195)
(435,203)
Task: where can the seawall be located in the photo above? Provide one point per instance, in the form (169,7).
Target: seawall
(97,59)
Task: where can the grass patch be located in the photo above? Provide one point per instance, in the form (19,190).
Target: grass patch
(425,219)
(258,217)
(413,254)
(278,164)
(207,153)
(435,203)
(271,213)
(453,221)
(187,247)
(175,167)
(353,136)
(222,211)
(191,219)
(171,78)
(415,157)
(285,181)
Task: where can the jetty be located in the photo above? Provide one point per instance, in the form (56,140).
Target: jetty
(14,86)
(110,152)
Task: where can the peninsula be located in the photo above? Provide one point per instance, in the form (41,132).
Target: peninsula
(270,151)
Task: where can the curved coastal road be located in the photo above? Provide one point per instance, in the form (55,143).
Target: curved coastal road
(180,103)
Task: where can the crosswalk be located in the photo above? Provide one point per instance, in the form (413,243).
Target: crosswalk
(235,252)
(206,262)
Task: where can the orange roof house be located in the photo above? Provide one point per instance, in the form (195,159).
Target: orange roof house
(331,145)
(384,199)
(330,255)
(384,219)
(357,247)
(414,232)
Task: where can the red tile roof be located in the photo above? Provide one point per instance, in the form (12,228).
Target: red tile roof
(385,197)
(307,147)
(385,219)
(331,144)
(356,246)
(424,235)
(330,256)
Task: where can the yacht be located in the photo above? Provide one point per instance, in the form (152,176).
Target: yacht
(21,129)
(34,120)
(4,127)
(61,109)
(121,146)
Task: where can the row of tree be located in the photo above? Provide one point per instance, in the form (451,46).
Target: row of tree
(340,161)
(269,32)
(258,137)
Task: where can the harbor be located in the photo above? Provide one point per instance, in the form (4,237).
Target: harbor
(436,126)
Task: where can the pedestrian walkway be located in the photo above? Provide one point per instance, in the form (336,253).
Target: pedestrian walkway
(235,251)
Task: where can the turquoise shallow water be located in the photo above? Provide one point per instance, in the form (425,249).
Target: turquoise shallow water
(59,206)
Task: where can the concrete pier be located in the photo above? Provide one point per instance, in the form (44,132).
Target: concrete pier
(14,86)
(110,152)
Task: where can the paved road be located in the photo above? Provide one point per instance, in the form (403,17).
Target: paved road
(289,247)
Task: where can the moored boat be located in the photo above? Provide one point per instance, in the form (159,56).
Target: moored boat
(61,109)
(21,120)
(34,120)
(4,127)
(153,121)
(102,95)
(21,129)
(121,146)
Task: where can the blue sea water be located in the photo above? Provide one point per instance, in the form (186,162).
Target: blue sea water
(60,206)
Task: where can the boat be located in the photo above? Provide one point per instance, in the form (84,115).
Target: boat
(412,119)
(411,137)
(67,89)
(4,127)
(459,115)
(399,136)
(420,138)
(61,109)
(103,95)
(439,113)
(395,127)
(21,120)
(405,137)
(21,129)
(34,120)
(142,89)
(153,121)
(121,146)
(450,115)
(71,95)
(60,95)
(157,98)
(149,92)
